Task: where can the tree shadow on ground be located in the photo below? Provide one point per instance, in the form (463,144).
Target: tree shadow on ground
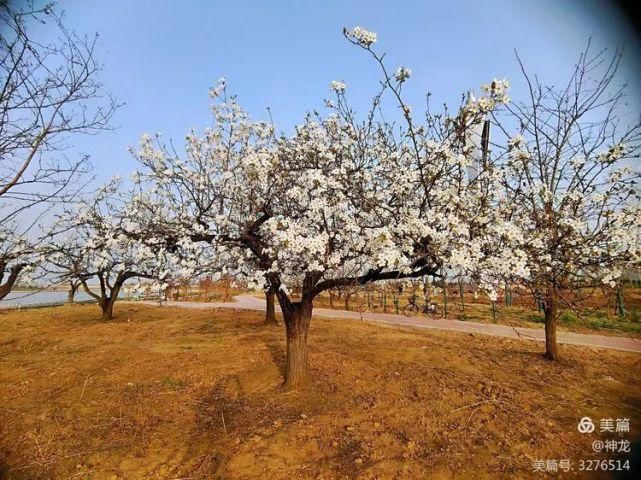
(4,469)
(278,356)
(225,414)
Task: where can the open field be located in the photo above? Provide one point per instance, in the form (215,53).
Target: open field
(171,393)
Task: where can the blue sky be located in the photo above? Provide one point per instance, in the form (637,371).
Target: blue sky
(162,56)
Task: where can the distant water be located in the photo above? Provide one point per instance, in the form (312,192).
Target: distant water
(24,299)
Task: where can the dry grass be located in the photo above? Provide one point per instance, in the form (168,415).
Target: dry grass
(170,393)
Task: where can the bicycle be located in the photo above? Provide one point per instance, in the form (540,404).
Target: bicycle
(431,309)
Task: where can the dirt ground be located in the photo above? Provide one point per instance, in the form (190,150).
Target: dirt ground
(162,393)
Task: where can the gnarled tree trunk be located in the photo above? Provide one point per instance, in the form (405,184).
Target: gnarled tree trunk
(297,318)
(107,306)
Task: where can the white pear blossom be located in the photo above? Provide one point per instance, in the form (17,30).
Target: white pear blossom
(362,36)
(338,86)
(402,74)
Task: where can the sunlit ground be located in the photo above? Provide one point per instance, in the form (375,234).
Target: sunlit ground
(169,393)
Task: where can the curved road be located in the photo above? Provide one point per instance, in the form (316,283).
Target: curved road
(247,302)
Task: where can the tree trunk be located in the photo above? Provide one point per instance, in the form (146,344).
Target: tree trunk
(71,294)
(551,313)
(13,276)
(297,319)
(4,290)
(108,303)
(270,310)
(108,308)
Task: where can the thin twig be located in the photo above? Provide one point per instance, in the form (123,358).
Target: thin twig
(83,388)
(472,405)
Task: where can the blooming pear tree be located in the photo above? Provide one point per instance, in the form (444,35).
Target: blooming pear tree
(566,159)
(340,202)
(93,248)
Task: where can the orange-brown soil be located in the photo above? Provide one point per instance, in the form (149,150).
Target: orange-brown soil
(164,393)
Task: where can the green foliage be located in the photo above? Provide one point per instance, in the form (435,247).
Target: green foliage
(534,318)
(175,383)
(568,318)
(599,320)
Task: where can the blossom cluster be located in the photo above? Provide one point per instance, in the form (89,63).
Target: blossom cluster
(402,74)
(613,154)
(495,95)
(362,36)
(338,86)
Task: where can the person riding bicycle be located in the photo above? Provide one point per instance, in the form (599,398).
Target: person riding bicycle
(413,308)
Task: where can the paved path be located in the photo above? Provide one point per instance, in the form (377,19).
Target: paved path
(248,302)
